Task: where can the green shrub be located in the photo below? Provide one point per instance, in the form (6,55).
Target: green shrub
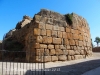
(69,18)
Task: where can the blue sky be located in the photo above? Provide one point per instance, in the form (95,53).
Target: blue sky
(12,11)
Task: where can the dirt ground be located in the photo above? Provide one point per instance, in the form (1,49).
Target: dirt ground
(74,67)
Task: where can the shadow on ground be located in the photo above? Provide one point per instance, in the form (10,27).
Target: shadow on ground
(75,69)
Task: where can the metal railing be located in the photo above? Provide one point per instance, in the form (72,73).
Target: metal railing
(15,63)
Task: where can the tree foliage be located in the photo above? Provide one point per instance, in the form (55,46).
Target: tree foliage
(97,40)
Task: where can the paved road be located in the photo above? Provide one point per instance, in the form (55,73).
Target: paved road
(75,67)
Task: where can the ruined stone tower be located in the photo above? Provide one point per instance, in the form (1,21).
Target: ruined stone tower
(50,36)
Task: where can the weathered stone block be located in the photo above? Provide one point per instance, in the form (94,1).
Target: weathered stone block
(82,52)
(37,18)
(45,39)
(57,46)
(69,57)
(66,41)
(56,40)
(71,42)
(43,46)
(54,33)
(39,39)
(43,32)
(64,35)
(78,57)
(59,51)
(59,34)
(46,52)
(71,52)
(80,43)
(62,57)
(62,29)
(77,52)
(40,25)
(68,30)
(72,31)
(75,36)
(39,52)
(80,37)
(72,57)
(50,46)
(55,28)
(36,31)
(65,52)
(52,51)
(54,58)
(62,47)
(47,58)
(68,47)
(48,32)
(69,36)
(48,26)
(76,42)
(49,39)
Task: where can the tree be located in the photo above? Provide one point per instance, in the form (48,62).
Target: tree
(97,40)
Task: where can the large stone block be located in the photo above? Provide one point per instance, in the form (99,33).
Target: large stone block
(52,52)
(56,28)
(43,32)
(57,46)
(48,26)
(59,51)
(68,30)
(36,31)
(56,40)
(62,57)
(62,29)
(64,34)
(71,52)
(69,57)
(69,36)
(50,46)
(80,37)
(39,39)
(45,39)
(80,43)
(54,33)
(46,52)
(43,46)
(40,25)
(78,57)
(47,58)
(49,40)
(65,52)
(68,47)
(48,32)
(39,52)
(66,41)
(77,52)
(71,42)
(54,58)
(75,36)
(62,47)
(59,34)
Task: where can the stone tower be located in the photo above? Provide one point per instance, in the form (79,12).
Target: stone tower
(50,36)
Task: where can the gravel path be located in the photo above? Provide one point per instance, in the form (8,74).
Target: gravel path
(75,67)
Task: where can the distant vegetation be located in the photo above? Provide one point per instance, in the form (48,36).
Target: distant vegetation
(97,40)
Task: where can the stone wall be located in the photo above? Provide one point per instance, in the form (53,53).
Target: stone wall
(54,38)
(49,37)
